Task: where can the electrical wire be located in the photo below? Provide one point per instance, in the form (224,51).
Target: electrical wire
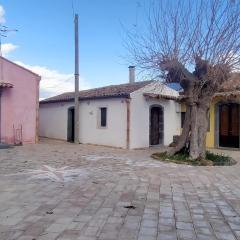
(73,9)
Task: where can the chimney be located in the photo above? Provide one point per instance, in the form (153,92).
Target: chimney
(131,74)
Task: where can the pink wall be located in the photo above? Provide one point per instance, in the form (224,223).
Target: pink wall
(20,103)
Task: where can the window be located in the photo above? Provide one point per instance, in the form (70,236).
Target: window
(182,118)
(103,117)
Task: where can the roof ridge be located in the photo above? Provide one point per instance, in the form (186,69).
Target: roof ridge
(114,90)
(114,85)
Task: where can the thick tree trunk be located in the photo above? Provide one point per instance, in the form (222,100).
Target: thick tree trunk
(203,120)
(194,131)
(197,95)
(194,150)
(199,127)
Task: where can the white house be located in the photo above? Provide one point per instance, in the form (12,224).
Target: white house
(132,115)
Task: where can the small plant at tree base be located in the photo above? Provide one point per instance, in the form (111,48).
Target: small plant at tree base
(211,159)
(220,159)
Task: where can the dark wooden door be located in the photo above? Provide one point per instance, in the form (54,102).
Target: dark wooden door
(70,132)
(156,126)
(229,125)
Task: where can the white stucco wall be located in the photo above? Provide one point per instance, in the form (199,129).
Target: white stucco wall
(139,118)
(115,132)
(53,118)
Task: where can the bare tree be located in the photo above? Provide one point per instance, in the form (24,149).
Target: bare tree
(196,44)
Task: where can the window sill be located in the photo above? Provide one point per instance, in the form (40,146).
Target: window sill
(101,127)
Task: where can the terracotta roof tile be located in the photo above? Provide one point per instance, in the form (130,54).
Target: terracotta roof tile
(113,91)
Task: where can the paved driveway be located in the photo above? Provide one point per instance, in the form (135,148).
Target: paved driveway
(55,190)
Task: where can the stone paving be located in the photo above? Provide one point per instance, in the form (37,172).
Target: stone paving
(110,194)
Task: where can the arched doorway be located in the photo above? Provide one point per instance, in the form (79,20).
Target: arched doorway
(156,125)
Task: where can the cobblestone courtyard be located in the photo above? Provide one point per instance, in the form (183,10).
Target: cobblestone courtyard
(108,193)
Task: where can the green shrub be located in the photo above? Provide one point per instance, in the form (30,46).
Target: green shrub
(219,159)
(212,159)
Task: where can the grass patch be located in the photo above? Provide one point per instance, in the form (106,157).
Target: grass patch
(212,159)
(220,159)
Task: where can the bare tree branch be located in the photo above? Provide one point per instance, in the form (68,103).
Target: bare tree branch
(193,43)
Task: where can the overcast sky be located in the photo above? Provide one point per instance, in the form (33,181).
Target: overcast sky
(45,40)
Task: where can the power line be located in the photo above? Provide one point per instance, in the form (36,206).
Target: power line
(4,30)
(138,6)
(73,9)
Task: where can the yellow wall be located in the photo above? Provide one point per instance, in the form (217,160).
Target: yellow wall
(210,135)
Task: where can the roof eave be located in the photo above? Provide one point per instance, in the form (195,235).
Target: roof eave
(161,96)
(85,99)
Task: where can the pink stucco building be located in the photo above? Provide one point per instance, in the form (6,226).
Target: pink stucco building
(19,103)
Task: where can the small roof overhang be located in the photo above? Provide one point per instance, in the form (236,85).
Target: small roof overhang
(160,96)
(227,94)
(6,85)
(230,94)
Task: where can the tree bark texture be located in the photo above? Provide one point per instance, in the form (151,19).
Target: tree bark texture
(194,131)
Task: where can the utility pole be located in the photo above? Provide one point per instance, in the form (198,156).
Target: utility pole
(76,112)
